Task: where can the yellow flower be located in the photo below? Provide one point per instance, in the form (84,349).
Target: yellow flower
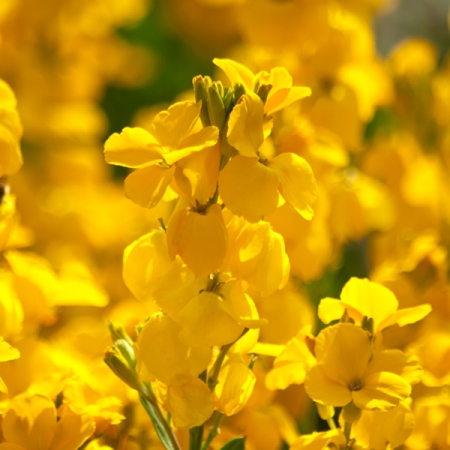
(257,255)
(292,364)
(165,355)
(31,423)
(363,298)
(172,137)
(236,382)
(347,371)
(250,183)
(282,92)
(10,132)
(199,236)
(190,402)
(377,429)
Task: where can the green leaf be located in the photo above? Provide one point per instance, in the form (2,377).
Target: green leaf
(162,430)
(235,444)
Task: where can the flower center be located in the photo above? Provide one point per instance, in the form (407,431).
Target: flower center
(357,385)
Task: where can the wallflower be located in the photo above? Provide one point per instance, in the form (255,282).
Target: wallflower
(379,429)
(282,92)
(347,371)
(31,423)
(363,298)
(172,137)
(249,184)
(256,254)
(199,236)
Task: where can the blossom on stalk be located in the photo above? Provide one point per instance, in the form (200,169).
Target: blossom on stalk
(173,136)
(347,371)
(363,298)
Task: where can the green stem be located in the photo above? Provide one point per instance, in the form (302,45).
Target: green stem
(162,428)
(331,423)
(214,430)
(195,438)
(212,380)
(347,431)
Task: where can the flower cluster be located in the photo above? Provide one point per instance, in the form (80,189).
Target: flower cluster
(208,253)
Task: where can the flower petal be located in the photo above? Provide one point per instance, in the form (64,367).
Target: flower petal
(249,188)
(298,185)
(133,147)
(235,386)
(190,403)
(172,126)
(330,309)
(245,125)
(165,355)
(406,316)
(206,321)
(145,262)
(146,186)
(343,351)
(371,299)
(395,361)
(236,73)
(196,175)
(200,239)
(323,389)
(196,142)
(284,97)
(381,391)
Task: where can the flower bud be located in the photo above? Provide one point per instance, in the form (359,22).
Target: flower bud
(120,366)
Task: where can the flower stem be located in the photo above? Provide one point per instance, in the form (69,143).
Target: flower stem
(347,431)
(212,380)
(214,430)
(162,428)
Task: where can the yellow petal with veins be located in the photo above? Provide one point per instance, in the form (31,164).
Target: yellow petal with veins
(245,125)
(133,147)
(196,142)
(196,176)
(190,403)
(297,183)
(369,299)
(406,316)
(206,321)
(381,391)
(343,351)
(146,186)
(172,126)
(323,389)
(165,355)
(284,97)
(236,382)
(236,73)
(249,188)
(199,238)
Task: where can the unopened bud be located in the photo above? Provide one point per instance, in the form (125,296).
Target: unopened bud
(263,92)
(120,366)
(117,333)
(201,85)
(367,325)
(239,91)
(216,107)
